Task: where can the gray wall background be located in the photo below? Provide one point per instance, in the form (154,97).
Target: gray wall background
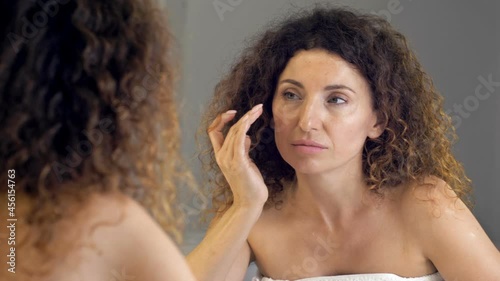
(457,42)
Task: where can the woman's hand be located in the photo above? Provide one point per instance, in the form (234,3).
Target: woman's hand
(231,154)
(224,253)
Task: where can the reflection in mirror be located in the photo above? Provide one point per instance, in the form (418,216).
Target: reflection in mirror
(306,215)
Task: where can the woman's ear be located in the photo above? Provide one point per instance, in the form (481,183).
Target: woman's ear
(378,127)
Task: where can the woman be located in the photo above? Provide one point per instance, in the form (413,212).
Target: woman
(346,172)
(88,140)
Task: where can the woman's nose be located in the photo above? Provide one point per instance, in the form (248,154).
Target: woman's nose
(310,117)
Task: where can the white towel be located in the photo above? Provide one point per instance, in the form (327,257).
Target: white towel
(363,277)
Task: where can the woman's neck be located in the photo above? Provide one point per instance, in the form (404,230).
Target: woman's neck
(334,197)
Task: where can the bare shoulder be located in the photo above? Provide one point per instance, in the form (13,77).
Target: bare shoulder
(447,232)
(121,240)
(432,205)
(430,200)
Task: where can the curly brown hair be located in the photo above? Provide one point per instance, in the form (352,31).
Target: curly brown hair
(418,135)
(87,106)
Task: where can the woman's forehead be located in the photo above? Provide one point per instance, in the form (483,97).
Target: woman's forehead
(323,67)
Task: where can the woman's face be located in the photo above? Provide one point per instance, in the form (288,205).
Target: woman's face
(322,113)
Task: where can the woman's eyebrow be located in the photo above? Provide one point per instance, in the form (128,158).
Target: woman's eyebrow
(327,88)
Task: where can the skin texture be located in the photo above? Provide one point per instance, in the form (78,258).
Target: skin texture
(331,222)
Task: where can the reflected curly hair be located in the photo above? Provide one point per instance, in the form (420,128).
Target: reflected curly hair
(87,106)
(418,135)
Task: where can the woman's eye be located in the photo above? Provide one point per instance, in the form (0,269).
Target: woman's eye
(290,96)
(336,100)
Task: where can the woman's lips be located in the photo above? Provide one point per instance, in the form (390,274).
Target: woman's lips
(308,146)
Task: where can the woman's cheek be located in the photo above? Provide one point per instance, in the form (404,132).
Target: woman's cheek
(280,122)
(284,116)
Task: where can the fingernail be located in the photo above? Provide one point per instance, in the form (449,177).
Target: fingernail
(229,112)
(257,107)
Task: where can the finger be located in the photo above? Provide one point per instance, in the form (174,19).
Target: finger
(230,143)
(215,129)
(221,120)
(240,128)
(251,116)
(240,139)
(231,138)
(248,142)
(226,150)
(255,113)
(233,144)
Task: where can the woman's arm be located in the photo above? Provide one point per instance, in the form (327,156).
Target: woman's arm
(224,253)
(451,237)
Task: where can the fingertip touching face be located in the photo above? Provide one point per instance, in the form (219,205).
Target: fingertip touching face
(323,113)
